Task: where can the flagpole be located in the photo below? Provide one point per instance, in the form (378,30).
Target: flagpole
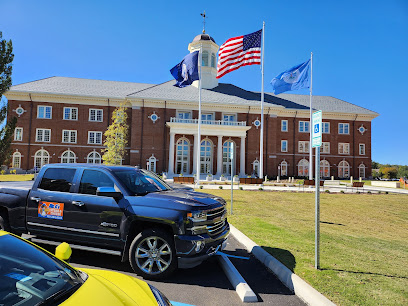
(310,122)
(261,140)
(199,119)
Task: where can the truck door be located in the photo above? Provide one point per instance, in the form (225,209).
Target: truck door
(97,218)
(46,204)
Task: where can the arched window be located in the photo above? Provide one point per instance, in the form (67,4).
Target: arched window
(324,168)
(182,156)
(206,154)
(213,60)
(255,167)
(344,169)
(205,58)
(16,163)
(68,157)
(303,167)
(361,171)
(151,166)
(226,157)
(94,158)
(284,168)
(41,158)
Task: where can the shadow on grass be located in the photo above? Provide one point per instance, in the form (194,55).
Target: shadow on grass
(365,273)
(331,223)
(284,256)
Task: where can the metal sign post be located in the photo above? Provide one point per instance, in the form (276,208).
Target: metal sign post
(232,173)
(316,143)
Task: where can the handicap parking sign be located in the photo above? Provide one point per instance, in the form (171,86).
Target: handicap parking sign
(317,131)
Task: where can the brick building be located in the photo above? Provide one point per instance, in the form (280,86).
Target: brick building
(63,120)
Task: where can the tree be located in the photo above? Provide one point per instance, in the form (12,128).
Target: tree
(6,132)
(389,172)
(116,137)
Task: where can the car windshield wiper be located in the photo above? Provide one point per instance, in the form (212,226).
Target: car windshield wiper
(61,294)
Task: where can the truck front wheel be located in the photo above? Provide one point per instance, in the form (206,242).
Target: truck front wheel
(152,254)
(4,225)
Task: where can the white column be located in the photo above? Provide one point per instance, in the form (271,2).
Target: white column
(195,153)
(242,158)
(171,155)
(219,156)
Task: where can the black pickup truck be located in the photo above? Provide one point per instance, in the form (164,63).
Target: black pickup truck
(118,210)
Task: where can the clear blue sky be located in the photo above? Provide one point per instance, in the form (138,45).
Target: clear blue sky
(360,47)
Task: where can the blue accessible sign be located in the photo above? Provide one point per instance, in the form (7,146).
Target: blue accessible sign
(317,129)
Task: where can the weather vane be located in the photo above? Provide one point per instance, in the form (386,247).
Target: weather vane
(204,16)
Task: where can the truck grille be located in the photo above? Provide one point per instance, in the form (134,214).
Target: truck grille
(218,224)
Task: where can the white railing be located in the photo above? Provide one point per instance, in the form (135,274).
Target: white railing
(211,122)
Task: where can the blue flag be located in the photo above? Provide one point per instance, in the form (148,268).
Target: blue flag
(295,78)
(186,72)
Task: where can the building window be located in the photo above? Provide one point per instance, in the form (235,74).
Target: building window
(206,118)
(43,135)
(182,156)
(184,115)
(325,148)
(344,148)
(44,112)
(344,169)
(284,146)
(96,115)
(206,154)
(94,137)
(16,163)
(229,119)
(226,157)
(361,170)
(204,58)
(304,126)
(343,128)
(324,168)
(303,147)
(70,113)
(18,134)
(284,168)
(68,157)
(151,165)
(303,167)
(94,158)
(213,60)
(69,136)
(41,158)
(361,149)
(284,125)
(326,127)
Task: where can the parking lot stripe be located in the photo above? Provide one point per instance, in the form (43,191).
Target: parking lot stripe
(243,290)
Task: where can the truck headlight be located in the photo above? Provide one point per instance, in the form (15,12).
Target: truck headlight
(197,216)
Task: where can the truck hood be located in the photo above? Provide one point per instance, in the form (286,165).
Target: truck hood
(177,199)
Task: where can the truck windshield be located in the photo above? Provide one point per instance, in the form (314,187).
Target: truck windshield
(139,182)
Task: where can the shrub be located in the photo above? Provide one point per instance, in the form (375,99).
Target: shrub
(201,186)
(220,187)
(379,192)
(386,192)
(327,191)
(240,188)
(342,191)
(369,192)
(3,172)
(358,192)
(260,188)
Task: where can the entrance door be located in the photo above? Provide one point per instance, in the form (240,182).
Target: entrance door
(206,157)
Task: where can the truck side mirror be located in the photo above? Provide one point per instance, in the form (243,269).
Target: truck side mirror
(63,252)
(109,192)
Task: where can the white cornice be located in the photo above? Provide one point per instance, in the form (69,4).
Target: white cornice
(208,130)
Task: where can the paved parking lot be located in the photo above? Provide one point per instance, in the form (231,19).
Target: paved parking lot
(205,284)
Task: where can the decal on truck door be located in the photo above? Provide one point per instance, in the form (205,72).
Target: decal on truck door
(51,210)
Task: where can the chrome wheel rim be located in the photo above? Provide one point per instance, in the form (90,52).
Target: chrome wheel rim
(153,255)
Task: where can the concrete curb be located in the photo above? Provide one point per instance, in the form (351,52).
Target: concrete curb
(242,288)
(302,289)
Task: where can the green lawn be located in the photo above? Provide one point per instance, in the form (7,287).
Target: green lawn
(364,240)
(16,177)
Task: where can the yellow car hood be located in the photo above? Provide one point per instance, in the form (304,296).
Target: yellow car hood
(111,288)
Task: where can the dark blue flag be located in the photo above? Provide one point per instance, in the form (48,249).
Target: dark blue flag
(186,72)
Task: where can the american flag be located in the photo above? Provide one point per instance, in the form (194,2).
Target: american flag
(239,51)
